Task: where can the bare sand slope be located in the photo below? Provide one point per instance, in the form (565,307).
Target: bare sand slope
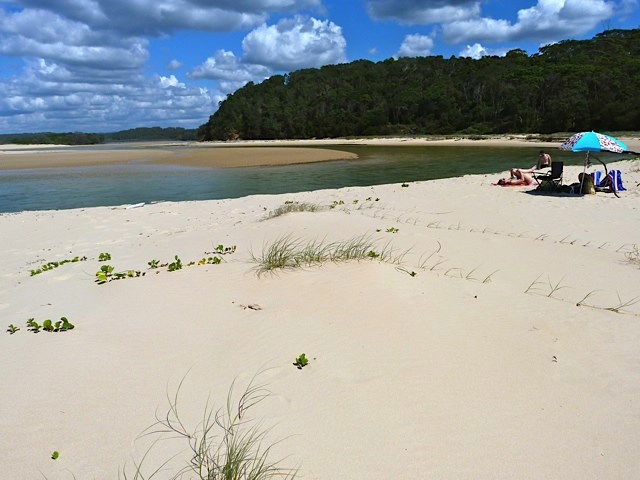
(452,374)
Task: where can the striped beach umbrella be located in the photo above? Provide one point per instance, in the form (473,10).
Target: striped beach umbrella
(593,142)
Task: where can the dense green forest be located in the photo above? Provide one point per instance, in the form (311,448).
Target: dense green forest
(80,138)
(569,86)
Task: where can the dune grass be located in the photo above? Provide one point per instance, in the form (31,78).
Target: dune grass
(633,257)
(289,252)
(226,445)
(293,207)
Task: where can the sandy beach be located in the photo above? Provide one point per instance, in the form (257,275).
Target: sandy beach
(481,365)
(198,156)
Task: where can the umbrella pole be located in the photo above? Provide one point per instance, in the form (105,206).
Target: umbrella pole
(584,172)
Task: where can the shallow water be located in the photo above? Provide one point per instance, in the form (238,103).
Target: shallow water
(75,187)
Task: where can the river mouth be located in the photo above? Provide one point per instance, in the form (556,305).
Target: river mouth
(147,181)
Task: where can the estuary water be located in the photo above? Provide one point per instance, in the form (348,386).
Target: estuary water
(135,182)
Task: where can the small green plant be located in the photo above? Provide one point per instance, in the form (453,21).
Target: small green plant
(413,274)
(61,325)
(368,199)
(51,265)
(33,326)
(405,185)
(177,265)
(12,329)
(392,230)
(153,263)
(210,261)
(103,275)
(373,254)
(103,257)
(301,362)
(222,250)
(336,203)
(289,202)
(55,455)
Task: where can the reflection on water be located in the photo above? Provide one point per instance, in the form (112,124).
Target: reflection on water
(58,188)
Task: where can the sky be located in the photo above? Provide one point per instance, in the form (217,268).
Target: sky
(106,65)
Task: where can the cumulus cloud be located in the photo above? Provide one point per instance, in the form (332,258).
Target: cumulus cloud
(157,17)
(229,70)
(548,20)
(416,45)
(174,64)
(295,43)
(45,95)
(85,60)
(423,11)
(477,51)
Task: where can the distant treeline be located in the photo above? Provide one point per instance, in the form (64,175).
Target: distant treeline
(569,86)
(80,138)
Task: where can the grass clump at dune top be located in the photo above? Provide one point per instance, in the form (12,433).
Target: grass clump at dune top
(633,257)
(289,252)
(290,207)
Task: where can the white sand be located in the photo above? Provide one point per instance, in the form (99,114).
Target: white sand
(432,376)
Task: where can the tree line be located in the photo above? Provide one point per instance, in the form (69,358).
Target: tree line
(572,85)
(81,138)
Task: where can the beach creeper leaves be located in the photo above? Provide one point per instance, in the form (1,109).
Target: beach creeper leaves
(153,263)
(301,361)
(12,329)
(177,265)
(51,265)
(103,257)
(55,455)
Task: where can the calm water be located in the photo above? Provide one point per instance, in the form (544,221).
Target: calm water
(58,188)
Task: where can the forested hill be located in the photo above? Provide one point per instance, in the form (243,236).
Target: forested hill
(569,86)
(81,138)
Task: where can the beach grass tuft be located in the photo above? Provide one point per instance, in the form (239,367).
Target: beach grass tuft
(226,445)
(290,252)
(633,256)
(293,207)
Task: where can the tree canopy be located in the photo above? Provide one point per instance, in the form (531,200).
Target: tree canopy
(572,85)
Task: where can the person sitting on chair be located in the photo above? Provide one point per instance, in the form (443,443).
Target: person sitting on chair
(544,161)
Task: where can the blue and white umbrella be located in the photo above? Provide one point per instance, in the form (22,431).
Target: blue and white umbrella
(593,142)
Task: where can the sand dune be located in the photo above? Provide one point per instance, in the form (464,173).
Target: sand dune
(467,370)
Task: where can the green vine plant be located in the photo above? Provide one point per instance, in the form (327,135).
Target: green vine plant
(11,329)
(104,257)
(52,265)
(61,325)
(301,361)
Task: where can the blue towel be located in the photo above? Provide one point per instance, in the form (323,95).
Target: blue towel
(597,177)
(616,175)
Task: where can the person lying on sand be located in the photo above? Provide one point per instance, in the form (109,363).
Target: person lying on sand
(544,161)
(520,178)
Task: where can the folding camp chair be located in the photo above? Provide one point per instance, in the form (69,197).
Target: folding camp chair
(553,180)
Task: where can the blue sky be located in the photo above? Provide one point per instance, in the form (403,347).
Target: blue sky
(102,65)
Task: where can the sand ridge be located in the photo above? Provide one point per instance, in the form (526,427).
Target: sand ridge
(454,373)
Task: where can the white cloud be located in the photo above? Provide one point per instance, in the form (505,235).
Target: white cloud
(157,17)
(85,60)
(46,97)
(170,82)
(174,64)
(229,70)
(477,51)
(423,11)
(295,43)
(416,45)
(548,20)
